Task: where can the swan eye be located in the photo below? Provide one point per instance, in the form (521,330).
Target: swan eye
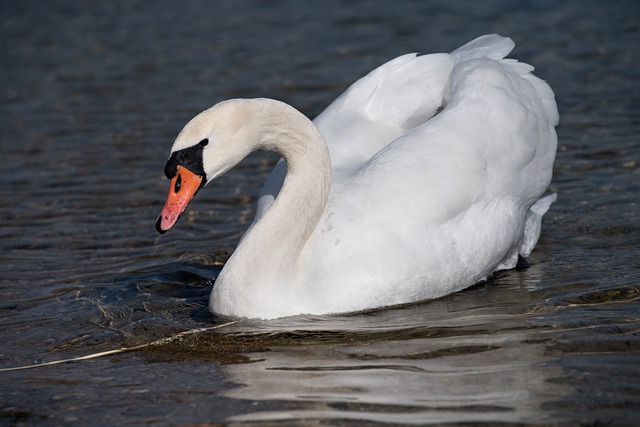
(204,142)
(178,186)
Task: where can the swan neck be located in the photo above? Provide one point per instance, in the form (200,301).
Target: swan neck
(267,257)
(302,199)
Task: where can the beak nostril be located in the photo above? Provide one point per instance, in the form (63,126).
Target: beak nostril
(178,184)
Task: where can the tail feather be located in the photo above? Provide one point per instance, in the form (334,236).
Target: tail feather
(490,46)
(534,224)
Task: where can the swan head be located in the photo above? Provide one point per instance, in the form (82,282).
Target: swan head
(209,145)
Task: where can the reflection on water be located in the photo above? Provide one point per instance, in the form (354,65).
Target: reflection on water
(460,369)
(92,98)
(447,379)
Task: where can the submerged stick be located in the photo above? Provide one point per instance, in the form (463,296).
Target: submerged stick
(120,350)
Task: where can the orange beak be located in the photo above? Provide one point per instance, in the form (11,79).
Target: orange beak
(183,187)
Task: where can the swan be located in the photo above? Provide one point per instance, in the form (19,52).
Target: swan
(423,178)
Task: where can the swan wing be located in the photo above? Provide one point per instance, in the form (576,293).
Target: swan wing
(375,110)
(456,197)
(496,138)
(382,106)
(395,98)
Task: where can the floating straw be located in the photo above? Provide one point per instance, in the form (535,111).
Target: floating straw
(120,350)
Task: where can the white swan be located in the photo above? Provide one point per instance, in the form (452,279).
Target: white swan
(422,179)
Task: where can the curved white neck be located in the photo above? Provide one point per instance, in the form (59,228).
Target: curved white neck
(263,267)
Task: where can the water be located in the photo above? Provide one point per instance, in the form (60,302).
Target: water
(92,97)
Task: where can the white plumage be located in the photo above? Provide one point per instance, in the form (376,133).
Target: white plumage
(422,179)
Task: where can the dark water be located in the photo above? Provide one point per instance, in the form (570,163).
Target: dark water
(93,94)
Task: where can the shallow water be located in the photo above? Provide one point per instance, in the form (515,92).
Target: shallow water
(92,97)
